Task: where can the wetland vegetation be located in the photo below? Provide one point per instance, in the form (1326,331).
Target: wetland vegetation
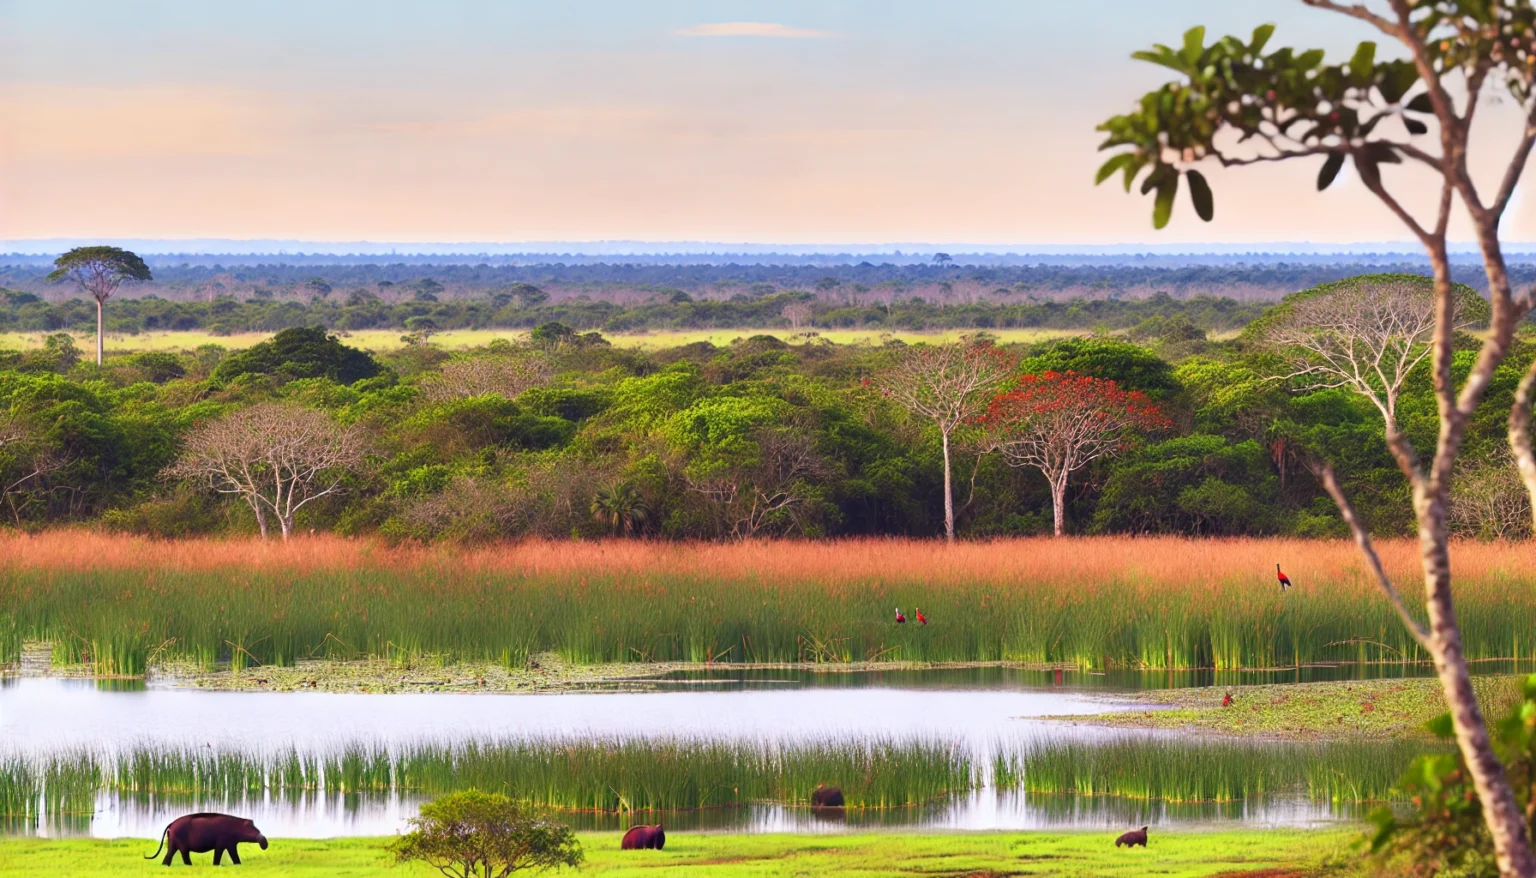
(121,604)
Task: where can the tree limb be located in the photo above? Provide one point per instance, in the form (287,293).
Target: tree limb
(1363,539)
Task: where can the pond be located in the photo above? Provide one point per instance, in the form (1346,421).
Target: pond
(977,713)
(47,714)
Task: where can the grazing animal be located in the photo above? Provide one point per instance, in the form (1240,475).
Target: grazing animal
(1285,581)
(900,619)
(644,838)
(918,615)
(826,797)
(1226,700)
(201,833)
(1133,838)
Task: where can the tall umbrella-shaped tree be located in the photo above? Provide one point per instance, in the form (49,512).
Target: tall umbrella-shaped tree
(99,271)
(1237,102)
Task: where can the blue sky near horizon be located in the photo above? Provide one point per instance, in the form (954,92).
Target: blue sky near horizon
(793,122)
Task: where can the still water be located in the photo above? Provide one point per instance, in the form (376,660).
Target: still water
(974,709)
(42,715)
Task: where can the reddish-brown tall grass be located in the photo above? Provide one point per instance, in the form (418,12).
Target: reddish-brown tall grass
(1153,560)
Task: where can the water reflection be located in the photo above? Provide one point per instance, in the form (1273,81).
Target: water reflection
(320,815)
(40,715)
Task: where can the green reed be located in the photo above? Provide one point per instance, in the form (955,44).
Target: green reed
(562,774)
(21,789)
(121,621)
(1186,771)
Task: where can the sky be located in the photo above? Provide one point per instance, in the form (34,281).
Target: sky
(583,120)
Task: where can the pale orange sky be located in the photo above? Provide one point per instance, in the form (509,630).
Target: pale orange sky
(761,122)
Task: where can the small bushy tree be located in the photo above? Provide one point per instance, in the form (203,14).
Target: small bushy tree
(474,834)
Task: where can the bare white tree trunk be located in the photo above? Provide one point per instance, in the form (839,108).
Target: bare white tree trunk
(949,493)
(1520,435)
(1058,504)
(100,347)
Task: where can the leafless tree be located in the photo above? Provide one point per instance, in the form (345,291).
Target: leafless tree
(25,463)
(796,313)
(1365,337)
(506,374)
(775,487)
(1488,501)
(277,458)
(948,384)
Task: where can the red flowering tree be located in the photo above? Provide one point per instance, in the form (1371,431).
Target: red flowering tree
(1059,422)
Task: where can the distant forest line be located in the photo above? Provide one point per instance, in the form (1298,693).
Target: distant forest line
(638,282)
(529,307)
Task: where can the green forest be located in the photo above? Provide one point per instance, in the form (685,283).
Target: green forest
(417,308)
(562,434)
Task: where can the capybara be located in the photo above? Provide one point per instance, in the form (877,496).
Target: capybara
(1133,838)
(826,797)
(643,838)
(201,833)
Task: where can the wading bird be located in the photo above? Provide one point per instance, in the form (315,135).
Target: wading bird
(1285,581)
(918,614)
(900,619)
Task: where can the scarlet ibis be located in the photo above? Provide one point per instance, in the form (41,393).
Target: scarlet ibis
(1285,581)
(1226,700)
(900,619)
(921,619)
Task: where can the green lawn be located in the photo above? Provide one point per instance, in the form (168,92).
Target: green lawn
(386,339)
(1175,855)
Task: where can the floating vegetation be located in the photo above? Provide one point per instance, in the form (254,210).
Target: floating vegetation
(1190,771)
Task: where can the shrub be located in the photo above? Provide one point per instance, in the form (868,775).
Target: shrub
(483,834)
(302,352)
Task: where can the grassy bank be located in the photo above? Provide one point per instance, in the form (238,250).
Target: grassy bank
(1175,855)
(119,603)
(1308,711)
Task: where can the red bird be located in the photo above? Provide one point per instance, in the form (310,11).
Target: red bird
(918,614)
(1285,581)
(900,619)
(1226,700)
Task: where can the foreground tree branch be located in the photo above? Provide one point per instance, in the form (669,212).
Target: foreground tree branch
(1235,90)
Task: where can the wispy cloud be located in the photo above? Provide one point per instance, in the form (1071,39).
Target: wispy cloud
(753,29)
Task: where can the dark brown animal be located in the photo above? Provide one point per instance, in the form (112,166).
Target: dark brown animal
(644,838)
(826,797)
(1133,838)
(201,833)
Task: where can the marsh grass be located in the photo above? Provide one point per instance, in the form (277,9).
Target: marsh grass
(1191,771)
(561,774)
(118,603)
